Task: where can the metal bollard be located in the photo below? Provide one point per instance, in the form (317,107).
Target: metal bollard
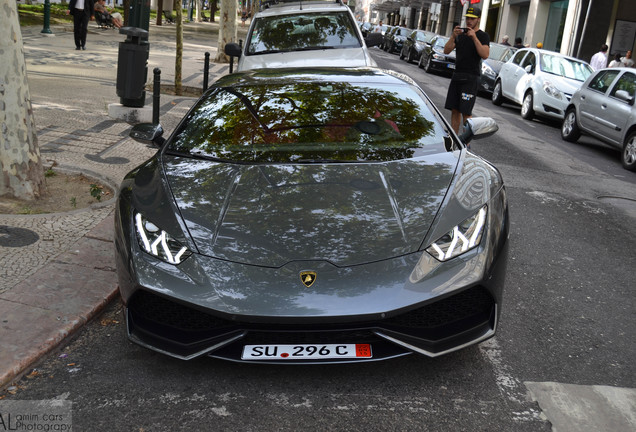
(156,95)
(206,71)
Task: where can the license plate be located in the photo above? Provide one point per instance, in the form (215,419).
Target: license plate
(451,65)
(305,352)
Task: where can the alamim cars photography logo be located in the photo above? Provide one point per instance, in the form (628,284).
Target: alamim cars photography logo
(36,415)
(308,278)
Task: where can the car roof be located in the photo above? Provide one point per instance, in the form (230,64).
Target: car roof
(359,75)
(553,53)
(285,7)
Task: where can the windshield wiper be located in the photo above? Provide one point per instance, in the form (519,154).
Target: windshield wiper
(314,48)
(195,154)
(317,161)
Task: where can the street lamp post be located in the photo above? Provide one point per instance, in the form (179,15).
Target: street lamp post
(47,17)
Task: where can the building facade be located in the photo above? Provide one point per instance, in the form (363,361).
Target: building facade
(573,27)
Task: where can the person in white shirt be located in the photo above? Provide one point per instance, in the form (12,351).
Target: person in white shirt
(378,28)
(627,60)
(599,60)
(616,62)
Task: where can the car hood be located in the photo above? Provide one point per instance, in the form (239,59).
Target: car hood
(270,215)
(440,51)
(340,57)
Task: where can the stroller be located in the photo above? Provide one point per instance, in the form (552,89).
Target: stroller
(104,21)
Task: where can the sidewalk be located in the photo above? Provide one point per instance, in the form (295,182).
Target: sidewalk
(58,270)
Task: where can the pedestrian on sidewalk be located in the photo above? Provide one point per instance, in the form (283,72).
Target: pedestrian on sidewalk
(83,12)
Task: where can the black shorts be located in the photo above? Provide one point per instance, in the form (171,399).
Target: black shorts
(462,93)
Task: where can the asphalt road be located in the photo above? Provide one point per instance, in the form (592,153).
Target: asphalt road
(568,320)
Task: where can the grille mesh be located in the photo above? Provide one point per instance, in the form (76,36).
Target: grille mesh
(166,313)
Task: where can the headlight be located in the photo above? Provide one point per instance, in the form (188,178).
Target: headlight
(485,69)
(551,90)
(439,57)
(158,243)
(460,239)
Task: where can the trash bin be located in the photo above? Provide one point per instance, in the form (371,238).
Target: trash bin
(132,67)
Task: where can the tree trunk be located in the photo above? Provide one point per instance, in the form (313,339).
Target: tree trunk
(227,29)
(22,175)
(178,61)
(199,8)
(159,12)
(213,10)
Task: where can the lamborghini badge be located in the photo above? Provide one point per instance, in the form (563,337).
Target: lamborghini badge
(308,278)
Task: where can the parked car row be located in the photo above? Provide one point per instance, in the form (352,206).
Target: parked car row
(544,84)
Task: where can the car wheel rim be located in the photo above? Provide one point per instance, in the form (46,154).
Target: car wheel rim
(630,151)
(495,92)
(568,124)
(527,103)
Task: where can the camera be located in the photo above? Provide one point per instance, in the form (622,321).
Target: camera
(465,29)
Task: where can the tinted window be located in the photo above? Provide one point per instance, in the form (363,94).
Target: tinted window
(295,121)
(530,60)
(518,57)
(302,31)
(626,82)
(603,80)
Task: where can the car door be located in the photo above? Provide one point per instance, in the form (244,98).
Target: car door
(593,98)
(616,110)
(523,76)
(508,73)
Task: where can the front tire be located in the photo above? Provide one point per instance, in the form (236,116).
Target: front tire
(497,97)
(527,111)
(628,156)
(427,65)
(570,129)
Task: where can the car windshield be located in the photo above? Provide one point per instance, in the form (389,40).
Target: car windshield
(497,51)
(308,121)
(297,32)
(422,37)
(440,42)
(565,67)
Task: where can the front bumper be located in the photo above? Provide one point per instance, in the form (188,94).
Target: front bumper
(434,329)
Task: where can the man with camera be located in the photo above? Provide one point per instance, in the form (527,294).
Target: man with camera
(471,45)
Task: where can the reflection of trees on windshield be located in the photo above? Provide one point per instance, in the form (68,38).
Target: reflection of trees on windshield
(297,32)
(309,120)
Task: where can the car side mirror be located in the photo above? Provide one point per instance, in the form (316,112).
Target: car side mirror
(478,127)
(624,96)
(529,69)
(148,133)
(233,49)
(372,39)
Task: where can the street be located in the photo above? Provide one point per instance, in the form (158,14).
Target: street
(568,318)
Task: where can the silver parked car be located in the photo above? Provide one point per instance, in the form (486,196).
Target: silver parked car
(541,81)
(292,33)
(604,108)
(312,215)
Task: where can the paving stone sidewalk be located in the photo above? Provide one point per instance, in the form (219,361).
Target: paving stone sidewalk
(57,270)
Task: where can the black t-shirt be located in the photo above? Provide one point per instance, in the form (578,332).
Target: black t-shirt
(468,60)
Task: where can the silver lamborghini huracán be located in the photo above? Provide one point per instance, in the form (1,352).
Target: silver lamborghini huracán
(312,216)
